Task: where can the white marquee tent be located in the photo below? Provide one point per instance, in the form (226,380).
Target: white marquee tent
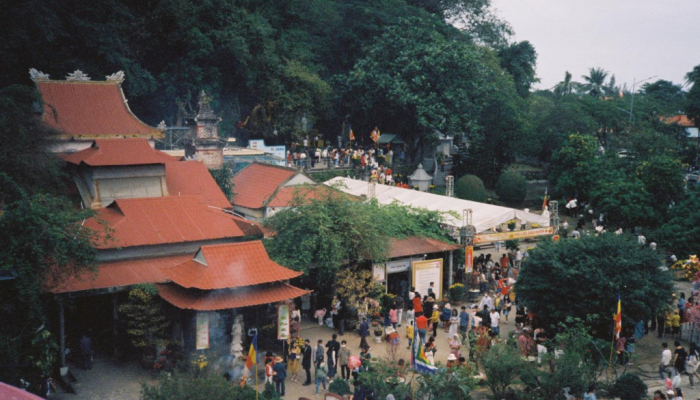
(484,216)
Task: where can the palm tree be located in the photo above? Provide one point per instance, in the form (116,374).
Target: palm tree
(611,90)
(594,82)
(567,86)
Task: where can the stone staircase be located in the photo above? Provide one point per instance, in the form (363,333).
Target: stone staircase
(439,176)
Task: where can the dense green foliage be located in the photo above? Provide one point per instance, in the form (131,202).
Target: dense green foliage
(188,386)
(41,235)
(502,364)
(680,230)
(629,387)
(471,187)
(223,180)
(595,268)
(511,188)
(337,229)
(692,104)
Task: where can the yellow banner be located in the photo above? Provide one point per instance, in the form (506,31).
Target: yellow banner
(495,237)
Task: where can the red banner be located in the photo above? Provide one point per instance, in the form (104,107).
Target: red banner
(469,258)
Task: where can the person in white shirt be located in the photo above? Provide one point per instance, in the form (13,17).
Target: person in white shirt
(665,365)
(518,257)
(495,322)
(486,301)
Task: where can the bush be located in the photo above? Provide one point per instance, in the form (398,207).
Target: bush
(195,387)
(471,187)
(629,387)
(339,387)
(502,365)
(511,188)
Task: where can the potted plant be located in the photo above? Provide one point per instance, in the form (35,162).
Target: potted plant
(377,328)
(457,292)
(511,224)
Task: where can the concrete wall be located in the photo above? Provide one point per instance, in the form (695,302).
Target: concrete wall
(299,179)
(249,213)
(65,147)
(99,186)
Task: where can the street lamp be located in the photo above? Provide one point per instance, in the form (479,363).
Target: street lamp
(634,83)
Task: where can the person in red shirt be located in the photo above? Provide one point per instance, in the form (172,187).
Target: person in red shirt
(421,325)
(417,305)
(504,261)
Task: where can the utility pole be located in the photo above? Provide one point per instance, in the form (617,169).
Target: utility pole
(634,83)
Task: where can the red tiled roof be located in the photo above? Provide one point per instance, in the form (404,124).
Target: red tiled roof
(85,110)
(165,220)
(413,245)
(121,273)
(111,152)
(681,120)
(192,299)
(256,183)
(8,392)
(193,178)
(285,195)
(229,265)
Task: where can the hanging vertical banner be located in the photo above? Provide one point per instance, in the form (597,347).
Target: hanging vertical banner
(202,331)
(469,258)
(283,327)
(379,272)
(425,272)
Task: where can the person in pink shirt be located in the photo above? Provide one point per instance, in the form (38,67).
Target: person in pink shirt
(393,315)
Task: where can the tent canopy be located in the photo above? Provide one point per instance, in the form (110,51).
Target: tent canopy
(389,138)
(485,216)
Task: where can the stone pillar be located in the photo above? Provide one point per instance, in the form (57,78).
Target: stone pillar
(450,280)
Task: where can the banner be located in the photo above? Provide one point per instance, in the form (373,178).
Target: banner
(379,272)
(425,272)
(398,266)
(202,340)
(499,236)
(469,258)
(283,327)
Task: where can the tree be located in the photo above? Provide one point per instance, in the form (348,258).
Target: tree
(223,177)
(594,82)
(420,77)
(336,230)
(679,231)
(692,102)
(511,187)
(596,268)
(668,98)
(574,166)
(470,187)
(629,387)
(520,59)
(502,364)
(624,200)
(447,384)
(567,86)
(147,325)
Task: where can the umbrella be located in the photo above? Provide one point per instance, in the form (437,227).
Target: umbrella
(354,362)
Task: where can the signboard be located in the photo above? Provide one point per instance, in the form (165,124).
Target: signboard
(202,340)
(283,326)
(469,258)
(259,144)
(425,272)
(499,236)
(398,266)
(378,272)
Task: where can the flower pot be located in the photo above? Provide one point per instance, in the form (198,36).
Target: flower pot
(378,339)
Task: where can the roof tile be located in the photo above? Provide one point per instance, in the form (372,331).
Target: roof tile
(256,183)
(165,220)
(193,178)
(118,152)
(229,265)
(192,299)
(90,110)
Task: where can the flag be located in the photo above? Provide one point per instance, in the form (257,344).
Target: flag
(544,203)
(375,134)
(252,353)
(419,360)
(352,135)
(618,318)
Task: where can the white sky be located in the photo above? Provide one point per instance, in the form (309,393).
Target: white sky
(629,38)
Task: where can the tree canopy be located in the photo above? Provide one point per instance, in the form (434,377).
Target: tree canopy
(582,278)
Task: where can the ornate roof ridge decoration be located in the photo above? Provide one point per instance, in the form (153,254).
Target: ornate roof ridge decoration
(117,76)
(205,111)
(36,75)
(77,75)
(161,126)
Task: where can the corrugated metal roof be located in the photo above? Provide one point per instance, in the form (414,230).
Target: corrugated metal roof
(192,299)
(8,392)
(413,245)
(89,110)
(119,152)
(121,273)
(165,220)
(229,265)
(193,178)
(256,183)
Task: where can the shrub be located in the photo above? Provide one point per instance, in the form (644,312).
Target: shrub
(195,387)
(471,187)
(502,365)
(339,387)
(511,188)
(457,292)
(629,387)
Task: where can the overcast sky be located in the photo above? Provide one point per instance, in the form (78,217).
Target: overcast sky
(629,38)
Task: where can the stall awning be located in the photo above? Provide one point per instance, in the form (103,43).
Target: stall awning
(413,245)
(212,300)
(485,216)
